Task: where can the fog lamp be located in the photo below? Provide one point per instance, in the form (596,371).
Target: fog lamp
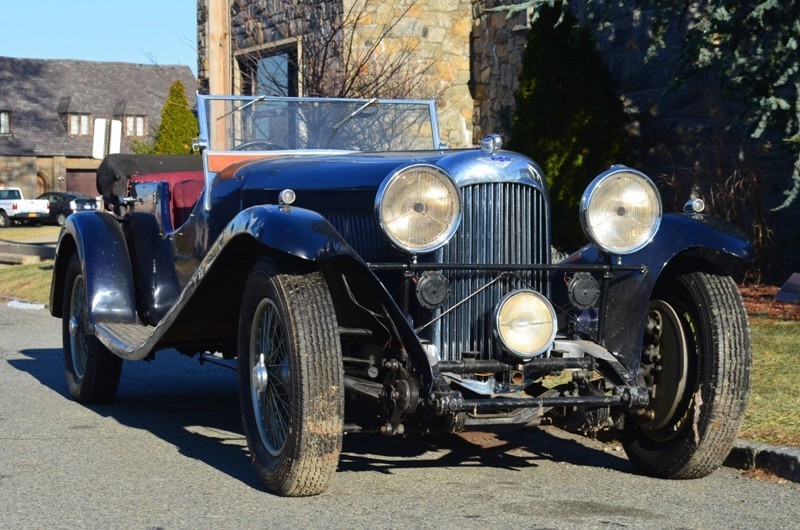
(525,323)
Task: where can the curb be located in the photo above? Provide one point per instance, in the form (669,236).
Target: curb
(780,460)
(15,253)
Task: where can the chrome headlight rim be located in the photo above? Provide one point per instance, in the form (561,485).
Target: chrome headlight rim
(445,236)
(546,345)
(591,192)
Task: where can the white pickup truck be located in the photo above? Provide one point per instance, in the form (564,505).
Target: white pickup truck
(13,207)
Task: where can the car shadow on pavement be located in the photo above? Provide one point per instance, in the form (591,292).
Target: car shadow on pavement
(512,450)
(195,408)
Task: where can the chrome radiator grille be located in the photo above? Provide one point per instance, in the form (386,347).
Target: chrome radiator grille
(503,223)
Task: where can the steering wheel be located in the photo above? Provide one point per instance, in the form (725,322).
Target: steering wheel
(268,146)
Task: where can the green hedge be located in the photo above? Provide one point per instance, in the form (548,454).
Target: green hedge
(569,117)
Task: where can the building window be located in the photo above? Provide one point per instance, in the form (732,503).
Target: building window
(5,122)
(135,125)
(79,125)
(273,72)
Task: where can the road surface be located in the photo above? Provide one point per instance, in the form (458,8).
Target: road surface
(169,453)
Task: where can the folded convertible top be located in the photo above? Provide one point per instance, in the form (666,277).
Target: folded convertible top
(116,170)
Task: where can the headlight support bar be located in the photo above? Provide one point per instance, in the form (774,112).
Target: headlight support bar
(461,302)
(506,267)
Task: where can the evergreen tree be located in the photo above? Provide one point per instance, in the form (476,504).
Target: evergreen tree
(178,124)
(568,115)
(750,45)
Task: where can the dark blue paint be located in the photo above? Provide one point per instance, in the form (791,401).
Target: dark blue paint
(100,243)
(704,238)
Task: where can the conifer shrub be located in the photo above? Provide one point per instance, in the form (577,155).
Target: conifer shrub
(177,128)
(569,117)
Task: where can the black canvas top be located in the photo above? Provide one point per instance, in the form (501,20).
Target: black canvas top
(116,170)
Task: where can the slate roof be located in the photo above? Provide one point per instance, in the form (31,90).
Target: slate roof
(36,90)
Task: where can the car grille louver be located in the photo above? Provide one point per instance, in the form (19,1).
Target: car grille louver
(503,223)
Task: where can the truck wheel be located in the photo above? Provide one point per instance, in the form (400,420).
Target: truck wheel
(290,380)
(92,371)
(696,362)
(5,222)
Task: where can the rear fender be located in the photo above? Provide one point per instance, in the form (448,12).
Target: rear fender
(105,264)
(683,240)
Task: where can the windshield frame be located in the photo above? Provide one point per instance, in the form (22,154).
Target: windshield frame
(203,119)
(204,141)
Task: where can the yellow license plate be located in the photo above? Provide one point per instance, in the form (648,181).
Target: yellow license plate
(32,214)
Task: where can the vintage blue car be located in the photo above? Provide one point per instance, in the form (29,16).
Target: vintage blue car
(368,279)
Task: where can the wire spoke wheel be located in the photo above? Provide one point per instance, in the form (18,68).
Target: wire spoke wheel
(270,377)
(290,379)
(91,370)
(79,339)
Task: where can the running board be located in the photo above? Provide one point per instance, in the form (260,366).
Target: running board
(133,342)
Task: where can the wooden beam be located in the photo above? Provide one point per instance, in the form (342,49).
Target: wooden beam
(220,78)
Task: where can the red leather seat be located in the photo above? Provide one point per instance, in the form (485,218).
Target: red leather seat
(185,189)
(185,194)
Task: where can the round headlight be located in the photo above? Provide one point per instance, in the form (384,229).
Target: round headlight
(419,208)
(525,323)
(621,210)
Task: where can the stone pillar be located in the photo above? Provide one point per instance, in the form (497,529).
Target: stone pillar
(497,46)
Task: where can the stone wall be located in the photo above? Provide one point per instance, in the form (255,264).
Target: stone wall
(473,53)
(434,35)
(34,175)
(497,44)
(19,172)
(436,32)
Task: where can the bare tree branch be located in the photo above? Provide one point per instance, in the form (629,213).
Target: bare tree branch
(342,55)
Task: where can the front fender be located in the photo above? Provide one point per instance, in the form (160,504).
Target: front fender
(703,239)
(295,231)
(105,264)
(309,236)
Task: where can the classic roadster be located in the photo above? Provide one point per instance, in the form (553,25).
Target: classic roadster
(368,279)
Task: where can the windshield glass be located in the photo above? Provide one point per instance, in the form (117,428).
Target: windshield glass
(264,123)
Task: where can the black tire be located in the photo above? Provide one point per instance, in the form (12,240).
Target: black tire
(61,219)
(698,362)
(5,222)
(92,371)
(290,380)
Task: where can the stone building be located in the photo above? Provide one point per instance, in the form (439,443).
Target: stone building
(470,54)
(48,110)
(430,37)
(471,50)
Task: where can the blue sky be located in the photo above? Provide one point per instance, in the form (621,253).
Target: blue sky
(130,31)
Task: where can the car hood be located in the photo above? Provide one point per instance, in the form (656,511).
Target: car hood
(348,171)
(359,171)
